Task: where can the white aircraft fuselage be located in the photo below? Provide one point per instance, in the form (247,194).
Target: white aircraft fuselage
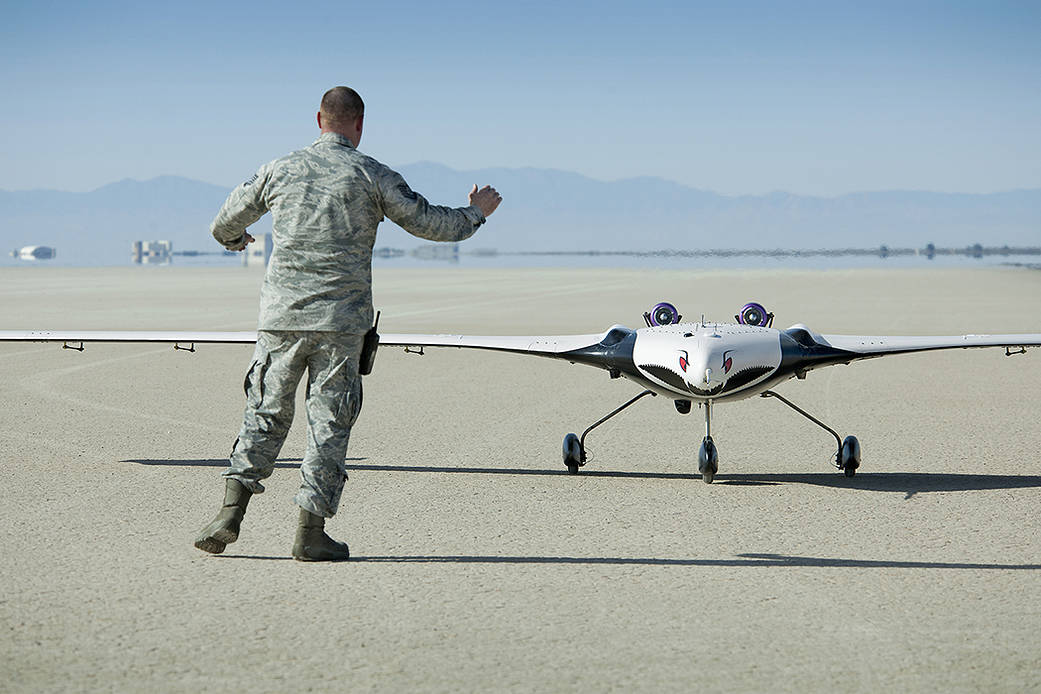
(708,362)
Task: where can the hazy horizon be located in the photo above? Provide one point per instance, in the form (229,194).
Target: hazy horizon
(130,179)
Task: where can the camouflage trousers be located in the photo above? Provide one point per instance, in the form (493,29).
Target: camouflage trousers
(333,403)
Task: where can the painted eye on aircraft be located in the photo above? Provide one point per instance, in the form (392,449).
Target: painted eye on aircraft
(683,362)
(728,361)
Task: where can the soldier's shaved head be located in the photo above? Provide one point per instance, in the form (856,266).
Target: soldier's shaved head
(341,107)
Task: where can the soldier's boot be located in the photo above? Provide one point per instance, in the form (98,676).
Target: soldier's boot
(312,544)
(224,529)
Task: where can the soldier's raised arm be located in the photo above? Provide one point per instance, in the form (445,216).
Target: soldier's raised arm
(244,206)
(486,199)
(411,211)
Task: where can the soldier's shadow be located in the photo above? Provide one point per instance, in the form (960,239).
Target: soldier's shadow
(215,462)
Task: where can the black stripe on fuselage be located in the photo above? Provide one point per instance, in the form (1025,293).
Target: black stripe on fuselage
(800,352)
(665,375)
(613,353)
(745,376)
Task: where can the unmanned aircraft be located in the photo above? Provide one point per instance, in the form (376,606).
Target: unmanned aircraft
(701,362)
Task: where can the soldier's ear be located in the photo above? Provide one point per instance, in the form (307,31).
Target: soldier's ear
(319,120)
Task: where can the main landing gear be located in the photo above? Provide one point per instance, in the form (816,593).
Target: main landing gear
(847,458)
(575,447)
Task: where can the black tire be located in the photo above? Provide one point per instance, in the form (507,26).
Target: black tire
(572,447)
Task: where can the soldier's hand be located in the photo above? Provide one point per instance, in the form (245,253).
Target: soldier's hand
(486,199)
(246,240)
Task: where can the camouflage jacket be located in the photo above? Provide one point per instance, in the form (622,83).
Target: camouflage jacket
(326,202)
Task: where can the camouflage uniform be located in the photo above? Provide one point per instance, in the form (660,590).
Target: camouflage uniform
(316,302)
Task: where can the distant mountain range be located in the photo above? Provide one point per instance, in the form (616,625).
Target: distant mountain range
(545,210)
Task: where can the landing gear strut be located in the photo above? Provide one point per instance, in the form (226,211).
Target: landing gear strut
(575,447)
(847,458)
(708,456)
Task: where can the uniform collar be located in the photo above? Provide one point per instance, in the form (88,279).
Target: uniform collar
(335,138)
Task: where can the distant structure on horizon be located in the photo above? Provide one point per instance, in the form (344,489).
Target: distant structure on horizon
(437,251)
(152,252)
(258,253)
(162,252)
(34,253)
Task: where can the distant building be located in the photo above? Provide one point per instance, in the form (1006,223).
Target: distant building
(437,251)
(34,253)
(258,253)
(152,252)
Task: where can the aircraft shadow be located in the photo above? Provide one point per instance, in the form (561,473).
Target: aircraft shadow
(523,471)
(907,483)
(741,560)
(295,462)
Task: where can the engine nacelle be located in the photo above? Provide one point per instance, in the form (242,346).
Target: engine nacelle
(663,313)
(754,313)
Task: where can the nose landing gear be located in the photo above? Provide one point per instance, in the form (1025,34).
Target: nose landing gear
(708,456)
(708,460)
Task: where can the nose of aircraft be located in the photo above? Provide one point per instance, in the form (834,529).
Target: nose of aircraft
(704,374)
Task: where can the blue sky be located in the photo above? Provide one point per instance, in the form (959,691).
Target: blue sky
(811,98)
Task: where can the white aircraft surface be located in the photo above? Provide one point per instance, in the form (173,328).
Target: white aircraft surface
(696,362)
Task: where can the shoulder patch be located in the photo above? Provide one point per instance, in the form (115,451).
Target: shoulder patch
(250,181)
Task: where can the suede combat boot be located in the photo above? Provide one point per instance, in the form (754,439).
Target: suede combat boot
(225,527)
(312,544)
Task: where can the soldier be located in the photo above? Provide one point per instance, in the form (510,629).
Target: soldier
(315,306)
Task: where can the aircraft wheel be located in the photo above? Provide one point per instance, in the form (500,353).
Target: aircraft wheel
(708,460)
(572,454)
(850,455)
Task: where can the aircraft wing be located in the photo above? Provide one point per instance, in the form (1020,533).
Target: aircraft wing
(542,345)
(864,346)
(167,336)
(867,346)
